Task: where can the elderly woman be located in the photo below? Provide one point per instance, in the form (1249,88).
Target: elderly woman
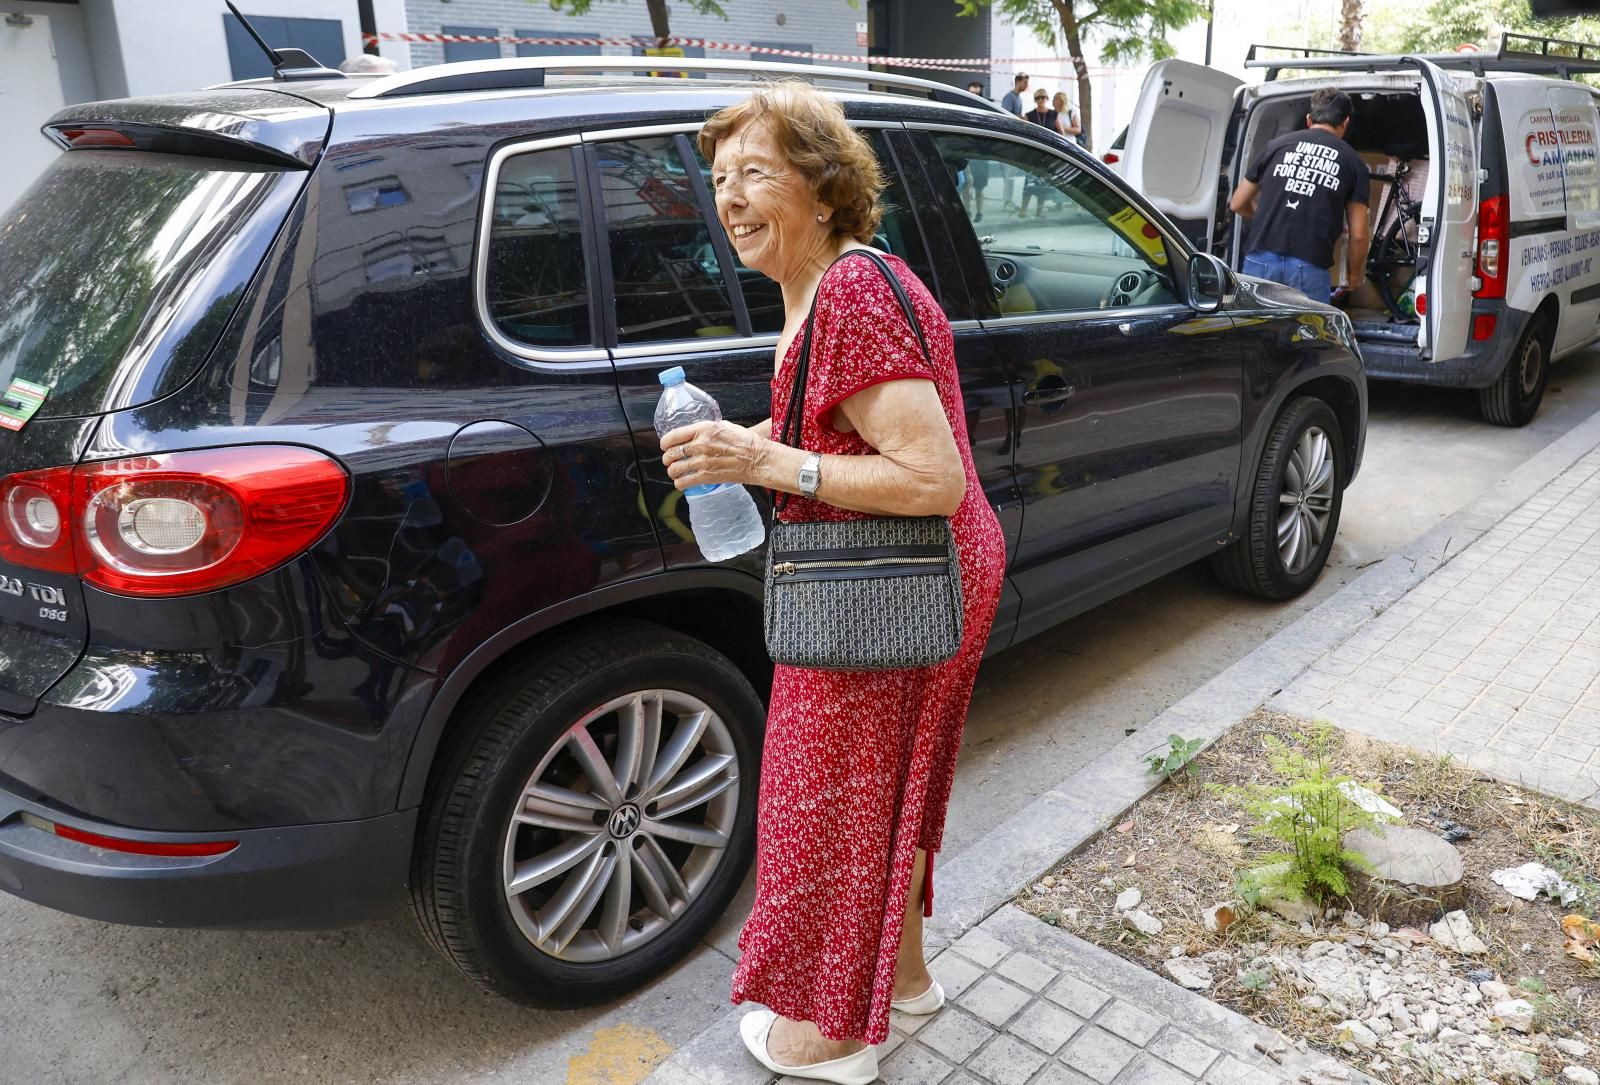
(857,766)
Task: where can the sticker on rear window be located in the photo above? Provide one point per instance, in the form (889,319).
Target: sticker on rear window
(20,403)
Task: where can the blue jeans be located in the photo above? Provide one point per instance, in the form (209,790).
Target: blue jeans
(1311,280)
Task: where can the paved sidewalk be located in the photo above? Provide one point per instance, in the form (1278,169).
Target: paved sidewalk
(1495,658)
(1029,1004)
(1033,1005)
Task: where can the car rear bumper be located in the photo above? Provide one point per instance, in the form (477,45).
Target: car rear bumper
(1479,366)
(301,876)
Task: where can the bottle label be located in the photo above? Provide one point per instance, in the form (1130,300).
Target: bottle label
(701,491)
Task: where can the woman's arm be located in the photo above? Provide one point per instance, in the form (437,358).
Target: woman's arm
(917,470)
(763,428)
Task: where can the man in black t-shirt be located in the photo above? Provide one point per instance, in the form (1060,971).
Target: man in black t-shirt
(1301,192)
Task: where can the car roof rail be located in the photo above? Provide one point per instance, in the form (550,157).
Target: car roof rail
(1535,56)
(529,72)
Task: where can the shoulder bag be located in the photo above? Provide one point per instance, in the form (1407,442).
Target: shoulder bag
(860,595)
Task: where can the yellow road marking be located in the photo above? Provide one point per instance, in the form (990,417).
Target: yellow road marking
(624,1055)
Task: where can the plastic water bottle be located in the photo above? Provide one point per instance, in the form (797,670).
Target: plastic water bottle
(726,521)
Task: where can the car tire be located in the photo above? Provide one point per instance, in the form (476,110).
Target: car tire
(1514,398)
(1264,562)
(520,755)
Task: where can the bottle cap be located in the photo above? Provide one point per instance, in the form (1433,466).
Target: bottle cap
(670,377)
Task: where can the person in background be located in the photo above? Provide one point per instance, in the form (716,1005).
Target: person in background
(976,176)
(1302,191)
(1044,117)
(1012,103)
(1067,119)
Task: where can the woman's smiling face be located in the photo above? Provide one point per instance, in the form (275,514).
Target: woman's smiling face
(767,207)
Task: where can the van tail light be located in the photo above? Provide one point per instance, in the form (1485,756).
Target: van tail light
(1111,158)
(176,523)
(1422,304)
(1494,235)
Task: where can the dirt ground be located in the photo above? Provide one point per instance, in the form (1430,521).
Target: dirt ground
(1183,845)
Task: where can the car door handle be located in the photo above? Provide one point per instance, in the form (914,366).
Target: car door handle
(1050,390)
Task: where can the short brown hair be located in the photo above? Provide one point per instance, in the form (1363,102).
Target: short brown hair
(814,136)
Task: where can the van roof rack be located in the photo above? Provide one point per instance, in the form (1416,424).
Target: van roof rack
(1532,55)
(529,72)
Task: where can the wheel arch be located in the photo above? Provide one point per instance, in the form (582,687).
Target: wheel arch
(720,607)
(1341,395)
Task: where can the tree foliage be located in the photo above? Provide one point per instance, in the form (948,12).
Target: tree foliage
(1123,31)
(657,8)
(1439,26)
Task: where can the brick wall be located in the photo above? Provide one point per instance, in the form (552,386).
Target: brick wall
(826,26)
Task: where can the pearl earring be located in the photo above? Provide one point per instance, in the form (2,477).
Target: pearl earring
(821,217)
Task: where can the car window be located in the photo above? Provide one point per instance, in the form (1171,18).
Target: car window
(898,234)
(1055,237)
(667,281)
(536,281)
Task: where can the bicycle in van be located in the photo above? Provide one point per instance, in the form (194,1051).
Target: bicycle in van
(1485,207)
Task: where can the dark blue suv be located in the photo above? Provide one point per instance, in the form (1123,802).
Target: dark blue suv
(338,566)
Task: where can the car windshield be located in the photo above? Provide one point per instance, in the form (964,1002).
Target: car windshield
(102,262)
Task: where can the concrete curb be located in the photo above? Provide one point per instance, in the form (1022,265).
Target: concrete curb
(985,876)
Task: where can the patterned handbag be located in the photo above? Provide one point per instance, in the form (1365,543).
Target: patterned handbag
(860,595)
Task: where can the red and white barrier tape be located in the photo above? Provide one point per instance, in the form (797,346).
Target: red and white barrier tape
(977,65)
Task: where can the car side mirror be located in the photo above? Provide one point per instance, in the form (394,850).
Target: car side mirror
(1208,282)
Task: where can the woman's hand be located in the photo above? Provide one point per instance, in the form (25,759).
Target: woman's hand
(709,453)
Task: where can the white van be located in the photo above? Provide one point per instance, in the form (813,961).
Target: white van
(1485,200)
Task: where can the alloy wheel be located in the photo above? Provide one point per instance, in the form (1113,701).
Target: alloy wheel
(1305,502)
(621,826)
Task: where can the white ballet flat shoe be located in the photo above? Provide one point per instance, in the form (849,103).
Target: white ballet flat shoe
(929,1001)
(858,1068)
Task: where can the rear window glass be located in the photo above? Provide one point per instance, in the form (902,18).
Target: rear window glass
(105,264)
(536,280)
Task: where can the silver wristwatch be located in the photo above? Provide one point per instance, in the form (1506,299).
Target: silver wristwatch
(811,475)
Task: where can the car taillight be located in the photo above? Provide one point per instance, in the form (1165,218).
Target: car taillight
(1111,158)
(35,520)
(176,523)
(1494,230)
(1422,304)
(96,137)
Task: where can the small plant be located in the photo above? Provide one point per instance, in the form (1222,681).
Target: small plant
(1255,981)
(1308,813)
(1175,756)
(1247,887)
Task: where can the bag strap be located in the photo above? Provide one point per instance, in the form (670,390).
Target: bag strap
(794,416)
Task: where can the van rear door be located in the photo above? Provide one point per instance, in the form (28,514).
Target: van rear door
(1175,143)
(1449,214)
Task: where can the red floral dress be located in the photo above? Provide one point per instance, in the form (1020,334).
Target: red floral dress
(857,766)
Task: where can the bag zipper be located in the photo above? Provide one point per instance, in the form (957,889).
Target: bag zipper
(790,568)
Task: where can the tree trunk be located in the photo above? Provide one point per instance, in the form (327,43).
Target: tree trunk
(1070,33)
(658,22)
(1350,16)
